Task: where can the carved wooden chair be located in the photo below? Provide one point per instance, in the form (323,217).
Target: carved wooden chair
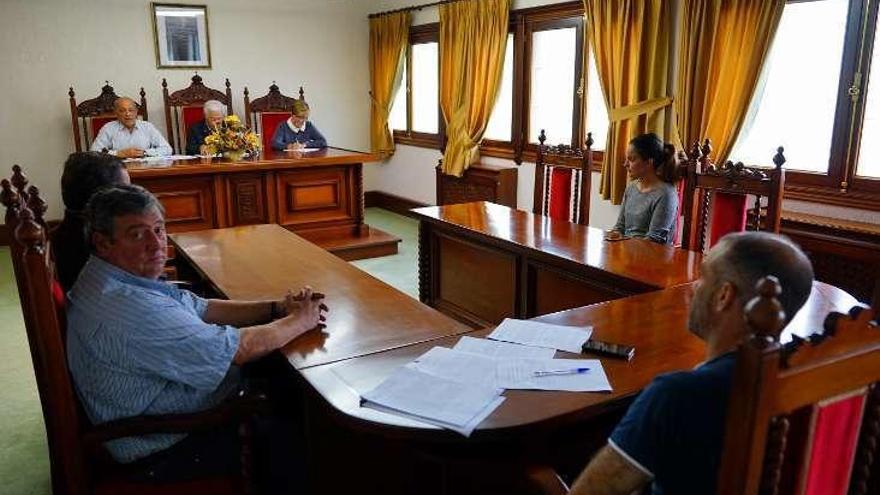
(265,113)
(88,117)
(804,417)
(714,202)
(562,181)
(79,464)
(183,108)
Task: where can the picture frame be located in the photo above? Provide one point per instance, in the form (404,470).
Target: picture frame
(180,34)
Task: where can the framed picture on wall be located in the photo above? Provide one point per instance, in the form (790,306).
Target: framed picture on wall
(181,35)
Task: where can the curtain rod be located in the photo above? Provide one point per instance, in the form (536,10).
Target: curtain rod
(411,7)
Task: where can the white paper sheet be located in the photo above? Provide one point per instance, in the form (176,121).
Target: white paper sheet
(435,400)
(534,333)
(461,367)
(498,349)
(519,374)
(305,150)
(154,159)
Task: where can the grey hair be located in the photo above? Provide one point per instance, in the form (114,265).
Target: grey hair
(213,106)
(747,257)
(107,204)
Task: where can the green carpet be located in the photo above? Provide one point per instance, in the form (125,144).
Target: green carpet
(24,457)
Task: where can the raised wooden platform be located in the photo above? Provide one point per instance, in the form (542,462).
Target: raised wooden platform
(372,243)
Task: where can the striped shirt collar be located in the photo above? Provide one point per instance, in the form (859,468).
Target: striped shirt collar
(108,271)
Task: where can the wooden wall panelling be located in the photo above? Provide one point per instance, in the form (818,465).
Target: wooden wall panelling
(551,289)
(247,202)
(188,202)
(312,196)
(479,183)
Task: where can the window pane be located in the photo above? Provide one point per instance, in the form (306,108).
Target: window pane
(869,155)
(502,115)
(425,79)
(552,84)
(597,112)
(797,104)
(397,118)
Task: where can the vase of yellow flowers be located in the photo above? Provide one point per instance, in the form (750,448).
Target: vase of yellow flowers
(233,139)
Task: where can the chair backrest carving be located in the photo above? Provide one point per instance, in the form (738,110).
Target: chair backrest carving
(183,108)
(563,180)
(43,320)
(704,181)
(788,402)
(89,116)
(263,114)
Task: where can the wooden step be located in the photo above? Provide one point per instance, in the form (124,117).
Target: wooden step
(372,243)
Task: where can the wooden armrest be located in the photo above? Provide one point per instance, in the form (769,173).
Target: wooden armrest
(238,408)
(545,479)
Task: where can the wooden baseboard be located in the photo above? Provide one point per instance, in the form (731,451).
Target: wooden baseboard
(6,236)
(391,202)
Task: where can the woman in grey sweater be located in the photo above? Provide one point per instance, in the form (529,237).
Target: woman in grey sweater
(650,202)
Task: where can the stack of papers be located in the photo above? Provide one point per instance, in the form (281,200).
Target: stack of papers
(458,388)
(449,404)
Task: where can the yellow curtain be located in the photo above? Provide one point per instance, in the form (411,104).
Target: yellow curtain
(631,42)
(389,35)
(722,47)
(473,35)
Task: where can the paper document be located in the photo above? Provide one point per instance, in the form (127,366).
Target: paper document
(539,334)
(418,395)
(461,367)
(152,159)
(520,374)
(498,349)
(304,150)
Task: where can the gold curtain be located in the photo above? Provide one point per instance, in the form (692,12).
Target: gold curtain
(473,35)
(389,36)
(631,41)
(722,47)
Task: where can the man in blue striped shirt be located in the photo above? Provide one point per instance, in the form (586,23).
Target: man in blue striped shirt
(137,345)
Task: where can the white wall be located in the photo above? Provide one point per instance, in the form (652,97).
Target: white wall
(410,172)
(48,45)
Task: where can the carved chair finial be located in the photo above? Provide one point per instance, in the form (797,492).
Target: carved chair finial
(779,157)
(28,232)
(764,314)
(302,94)
(70,93)
(589,141)
(8,197)
(36,204)
(19,180)
(542,137)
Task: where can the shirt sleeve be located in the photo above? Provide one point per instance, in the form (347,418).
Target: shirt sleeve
(158,145)
(315,138)
(278,141)
(643,436)
(102,140)
(620,226)
(176,344)
(663,217)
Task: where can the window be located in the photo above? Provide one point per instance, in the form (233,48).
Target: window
(541,87)
(500,127)
(397,118)
(553,84)
(815,99)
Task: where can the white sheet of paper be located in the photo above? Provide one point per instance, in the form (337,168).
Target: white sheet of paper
(433,399)
(498,349)
(519,374)
(465,430)
(458,366)
(153,159)
(535,333)
(306,150)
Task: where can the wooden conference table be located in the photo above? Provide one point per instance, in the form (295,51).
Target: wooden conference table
(318,194)
(372,328)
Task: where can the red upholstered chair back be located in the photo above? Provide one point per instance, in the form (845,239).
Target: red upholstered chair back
(183,108)
(44,324)
(562,181)
(89,116)
(265,113)
(715,201)
(804,417)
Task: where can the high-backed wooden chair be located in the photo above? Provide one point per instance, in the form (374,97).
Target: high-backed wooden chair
(79,463)
(804,417)
(715,198)
(88,117)
(562,181)
(265,113)
(183,108)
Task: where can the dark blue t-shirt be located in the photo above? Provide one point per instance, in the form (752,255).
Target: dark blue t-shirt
(674,430)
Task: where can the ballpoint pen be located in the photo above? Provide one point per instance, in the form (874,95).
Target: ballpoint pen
(571,371)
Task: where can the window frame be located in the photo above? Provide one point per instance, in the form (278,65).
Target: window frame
(839,185)
(425,33)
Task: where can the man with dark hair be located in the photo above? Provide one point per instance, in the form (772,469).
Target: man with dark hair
(84,173)
(672,435)
(138,346)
